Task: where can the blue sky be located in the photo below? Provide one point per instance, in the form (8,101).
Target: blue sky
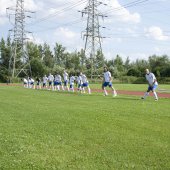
(137,31)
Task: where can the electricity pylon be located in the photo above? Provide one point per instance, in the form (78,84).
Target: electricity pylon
(19,60)
(92,33)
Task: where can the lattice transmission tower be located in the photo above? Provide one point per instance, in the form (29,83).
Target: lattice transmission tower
(92,33)
(19,60)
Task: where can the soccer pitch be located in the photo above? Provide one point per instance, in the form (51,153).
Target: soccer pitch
(56,130)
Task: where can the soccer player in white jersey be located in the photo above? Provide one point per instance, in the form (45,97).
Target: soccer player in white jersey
(85,83)
(72,79)
(29,82)
(153,84)
(50,81)
(58,82)
(33,83)
(66,79)
(107,81)
(45,79)
(79,82)
(38,83)
(25,82)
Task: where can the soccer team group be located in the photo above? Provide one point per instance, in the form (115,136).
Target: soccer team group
(55,83)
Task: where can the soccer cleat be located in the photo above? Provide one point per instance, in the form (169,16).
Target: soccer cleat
(142,98)
(156,99)
(114,95)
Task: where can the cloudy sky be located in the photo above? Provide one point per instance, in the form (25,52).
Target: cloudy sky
(133,29)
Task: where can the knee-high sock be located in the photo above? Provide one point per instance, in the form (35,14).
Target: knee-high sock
(145,95)
(155,94)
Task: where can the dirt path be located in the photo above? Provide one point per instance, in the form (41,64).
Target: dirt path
(136,93)
(125,92)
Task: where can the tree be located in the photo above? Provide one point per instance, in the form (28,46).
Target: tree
(100,60)
(47,56)
(118,63)
(158,63)
(59,55)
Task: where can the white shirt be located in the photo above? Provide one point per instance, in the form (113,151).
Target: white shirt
(32,80)
(107,76)
(79,79)
(65,75)
(25,80)
(29,81)
(58,78)
(45,79)
(51,78)
(72,78)
(151,78)
(84,79)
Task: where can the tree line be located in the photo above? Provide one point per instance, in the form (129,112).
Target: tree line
(44,60)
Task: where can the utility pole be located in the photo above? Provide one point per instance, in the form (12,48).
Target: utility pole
(19,60)
(92,33)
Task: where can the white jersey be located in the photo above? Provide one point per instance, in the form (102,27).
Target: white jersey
(58,78)
(151,79)
(65,75)
(29,81)
(107,76)
(32,80)
(50,78)
(79,79)
(25,80)
(84,79)
(72,78)
(45,79)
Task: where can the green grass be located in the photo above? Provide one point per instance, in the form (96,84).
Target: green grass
(50,130)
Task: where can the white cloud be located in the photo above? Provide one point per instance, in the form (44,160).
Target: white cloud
(68,38)
(156,33)
(65,33)
(123,14)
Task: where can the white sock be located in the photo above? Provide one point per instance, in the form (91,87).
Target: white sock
(145,95)
(114,93)
(155,94)
(89,90)
(105,92)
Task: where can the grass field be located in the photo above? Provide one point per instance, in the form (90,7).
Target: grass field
(50,130)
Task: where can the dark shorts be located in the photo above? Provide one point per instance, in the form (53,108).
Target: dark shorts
(151,88)
(57,83)
(50,83)
(65,83)
(105,84)
(85,84)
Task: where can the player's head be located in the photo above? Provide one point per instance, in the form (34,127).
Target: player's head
(147,71)
(105,69)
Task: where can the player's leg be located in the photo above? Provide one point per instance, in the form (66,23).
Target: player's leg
(104,85)
(147,93)
(89,90)
(71,87)
(154,92)
(113,90)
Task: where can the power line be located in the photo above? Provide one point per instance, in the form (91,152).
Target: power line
(58,12)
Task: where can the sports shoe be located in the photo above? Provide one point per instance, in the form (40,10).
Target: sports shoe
(114,95)
(156,99)
(142,98)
